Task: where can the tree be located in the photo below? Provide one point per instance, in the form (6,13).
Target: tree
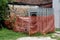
(3,11)
(11,1)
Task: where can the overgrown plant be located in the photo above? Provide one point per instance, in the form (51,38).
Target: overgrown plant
(11,1)
(3,11)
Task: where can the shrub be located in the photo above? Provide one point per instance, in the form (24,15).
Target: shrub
(3,11)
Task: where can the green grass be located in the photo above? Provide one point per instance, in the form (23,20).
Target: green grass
(6,34)
(57,29)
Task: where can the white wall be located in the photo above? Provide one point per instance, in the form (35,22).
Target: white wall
(56,7)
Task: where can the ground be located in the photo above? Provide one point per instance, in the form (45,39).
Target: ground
(6,34)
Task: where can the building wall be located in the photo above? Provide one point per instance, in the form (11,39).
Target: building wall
(34,1)
(46,11)
(24,10)
(56,7)
(42,11)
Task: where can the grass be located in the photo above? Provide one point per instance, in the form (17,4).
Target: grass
(6,34)
(57,29)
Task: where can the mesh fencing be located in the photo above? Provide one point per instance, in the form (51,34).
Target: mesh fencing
(42,22)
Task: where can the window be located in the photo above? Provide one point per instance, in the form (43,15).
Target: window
(33,13)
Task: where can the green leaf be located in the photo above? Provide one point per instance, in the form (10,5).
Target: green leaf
(3,9)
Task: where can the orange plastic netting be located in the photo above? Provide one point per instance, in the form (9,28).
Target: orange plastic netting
(34,24)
